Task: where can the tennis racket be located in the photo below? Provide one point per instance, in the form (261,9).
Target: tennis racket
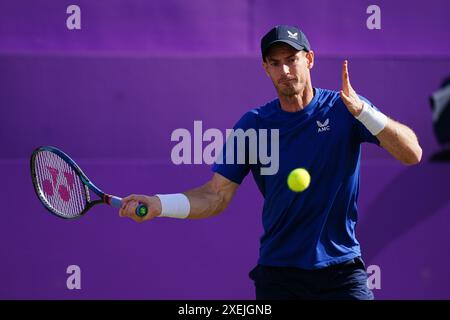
(63,188)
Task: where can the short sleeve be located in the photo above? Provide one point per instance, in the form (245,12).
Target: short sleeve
(228,163)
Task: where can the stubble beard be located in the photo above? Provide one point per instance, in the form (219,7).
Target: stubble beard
(288,90)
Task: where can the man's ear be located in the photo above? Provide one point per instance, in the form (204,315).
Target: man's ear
(310,59)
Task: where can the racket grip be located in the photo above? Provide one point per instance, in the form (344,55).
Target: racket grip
(141,209)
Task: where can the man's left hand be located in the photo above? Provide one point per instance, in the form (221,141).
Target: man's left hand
(348,94)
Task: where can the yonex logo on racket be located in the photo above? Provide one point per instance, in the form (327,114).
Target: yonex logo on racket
(62,189)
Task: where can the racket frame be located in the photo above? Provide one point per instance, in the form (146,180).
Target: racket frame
(88,185)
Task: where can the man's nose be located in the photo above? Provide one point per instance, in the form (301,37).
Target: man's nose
(285,68)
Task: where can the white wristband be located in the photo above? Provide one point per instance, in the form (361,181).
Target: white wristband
(174,205)
(373,120)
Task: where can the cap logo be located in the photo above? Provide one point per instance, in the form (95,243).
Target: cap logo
(292,35)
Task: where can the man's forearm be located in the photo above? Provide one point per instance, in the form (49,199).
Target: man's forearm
(204,202)
(401,142)
(208,200)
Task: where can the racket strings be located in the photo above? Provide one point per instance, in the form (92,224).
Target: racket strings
(60,187)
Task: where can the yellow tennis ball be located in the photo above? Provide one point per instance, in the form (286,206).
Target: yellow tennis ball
(298,180)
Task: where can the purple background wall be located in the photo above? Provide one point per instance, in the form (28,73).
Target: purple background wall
(142,69)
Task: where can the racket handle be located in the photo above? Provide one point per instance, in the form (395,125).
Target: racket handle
(141,209)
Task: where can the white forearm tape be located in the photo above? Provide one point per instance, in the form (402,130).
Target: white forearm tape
(373,120)
(174,205)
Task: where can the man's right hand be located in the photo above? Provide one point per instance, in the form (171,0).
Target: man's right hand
(130,203)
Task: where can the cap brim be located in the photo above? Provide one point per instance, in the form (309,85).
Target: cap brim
(294,45)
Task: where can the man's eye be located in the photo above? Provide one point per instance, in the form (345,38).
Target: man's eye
(275,64)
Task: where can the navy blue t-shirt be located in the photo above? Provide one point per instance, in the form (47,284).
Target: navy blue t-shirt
(314,228)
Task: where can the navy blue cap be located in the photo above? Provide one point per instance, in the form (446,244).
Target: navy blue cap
(287,34)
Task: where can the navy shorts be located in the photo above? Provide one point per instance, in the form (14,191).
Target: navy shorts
(344,281)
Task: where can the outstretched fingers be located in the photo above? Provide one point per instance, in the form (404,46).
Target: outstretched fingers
(346,86)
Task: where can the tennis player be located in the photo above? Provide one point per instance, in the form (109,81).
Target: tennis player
(309,249)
